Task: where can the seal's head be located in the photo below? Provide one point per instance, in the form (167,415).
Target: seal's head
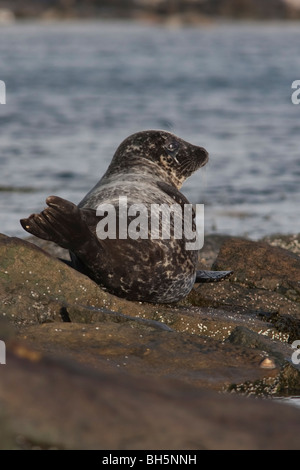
(161,153)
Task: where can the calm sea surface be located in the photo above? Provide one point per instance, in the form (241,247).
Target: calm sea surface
(76,90)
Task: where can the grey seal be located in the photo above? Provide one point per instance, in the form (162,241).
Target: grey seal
(148,168)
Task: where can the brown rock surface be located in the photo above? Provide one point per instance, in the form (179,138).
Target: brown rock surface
(219,338)
(261,265)
(266,281)
(52,403)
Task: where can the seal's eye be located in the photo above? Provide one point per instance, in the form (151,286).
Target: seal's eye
(172,146)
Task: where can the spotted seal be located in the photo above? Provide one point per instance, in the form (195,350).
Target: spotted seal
(148,168)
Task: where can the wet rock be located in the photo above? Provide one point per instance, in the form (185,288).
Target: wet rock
(276,355)
(145,351)
(52,403)
(287,324)
(261,265)
(210,250)
(288,242)
(57,309)
(242,298)
(7,438)
(173,13)
(266,282)
(35,287)
(243,336)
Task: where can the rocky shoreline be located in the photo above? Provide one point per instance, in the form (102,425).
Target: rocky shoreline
(157,11)
(232,337)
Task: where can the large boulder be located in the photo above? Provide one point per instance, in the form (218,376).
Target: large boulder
(222,337)
(266,282)
(57,403)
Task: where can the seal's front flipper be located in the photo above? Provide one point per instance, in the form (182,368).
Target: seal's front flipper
(212,276)
(61,223)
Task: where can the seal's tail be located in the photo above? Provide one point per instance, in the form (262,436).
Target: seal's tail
(61,222)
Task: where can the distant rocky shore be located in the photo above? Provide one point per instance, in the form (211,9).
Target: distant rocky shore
(86,369)
(174,11)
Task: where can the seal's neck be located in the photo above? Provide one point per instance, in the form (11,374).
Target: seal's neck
(147,170)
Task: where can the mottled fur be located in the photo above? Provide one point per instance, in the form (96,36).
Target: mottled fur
(148,167)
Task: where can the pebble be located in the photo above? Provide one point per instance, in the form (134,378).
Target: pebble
(267,363)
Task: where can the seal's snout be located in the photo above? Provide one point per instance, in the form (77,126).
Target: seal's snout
(204,156)
(200,157)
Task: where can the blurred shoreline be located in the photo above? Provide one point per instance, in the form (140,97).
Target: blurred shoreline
(177,12)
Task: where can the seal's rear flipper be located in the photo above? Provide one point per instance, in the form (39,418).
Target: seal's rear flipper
(62,223)
(212,276)
(72,228)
